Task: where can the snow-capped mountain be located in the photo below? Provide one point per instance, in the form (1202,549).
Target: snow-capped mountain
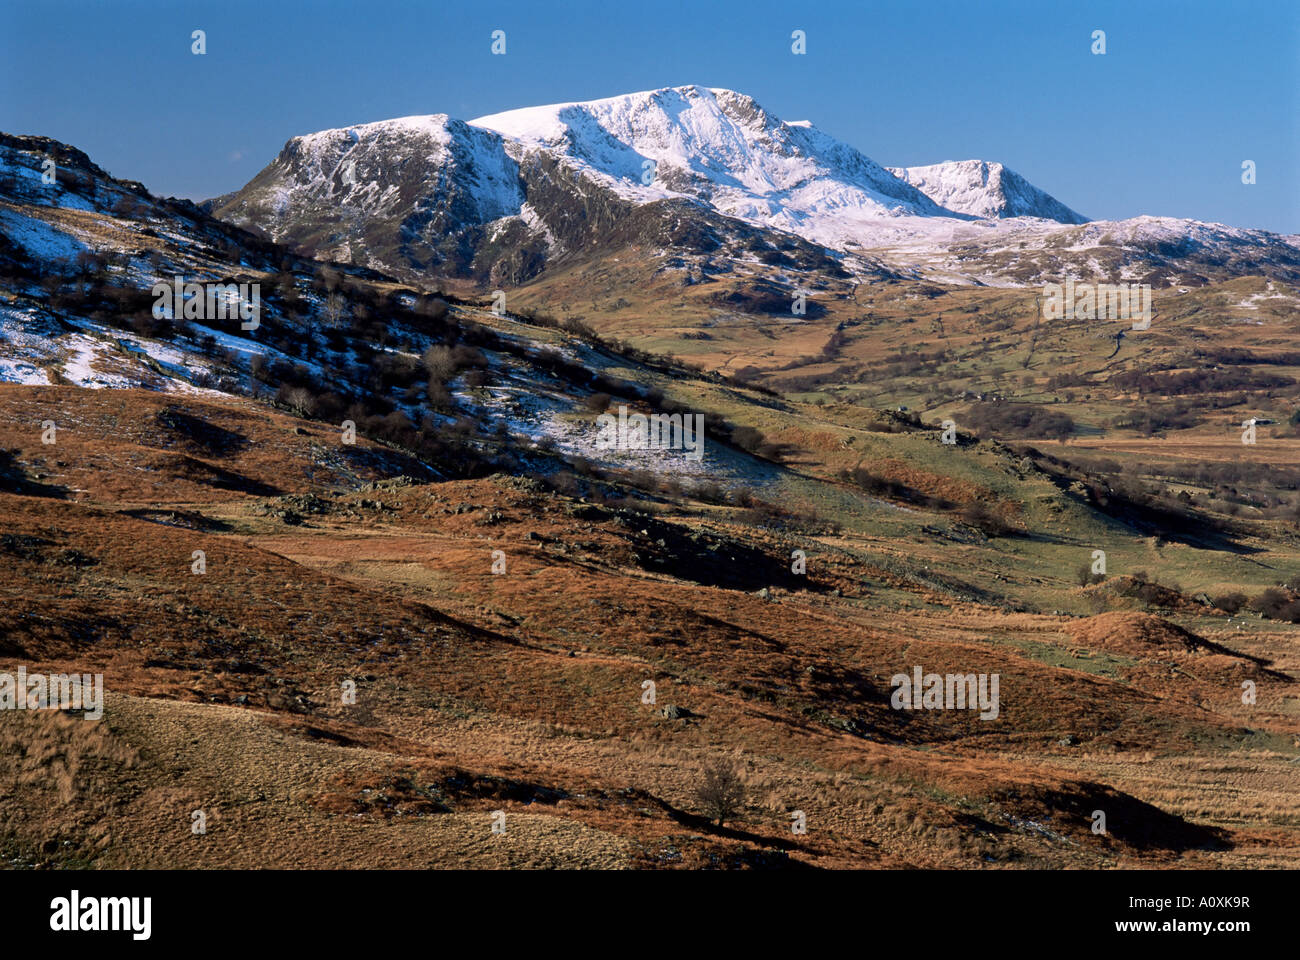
(424,177)
(702,176)
(986,190)
(502,196)
(717,146)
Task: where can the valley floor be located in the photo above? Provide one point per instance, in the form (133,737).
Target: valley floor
(523,691)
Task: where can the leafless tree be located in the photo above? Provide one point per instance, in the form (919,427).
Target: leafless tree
(335,311)
(299,400)
(440,363)
(721,791)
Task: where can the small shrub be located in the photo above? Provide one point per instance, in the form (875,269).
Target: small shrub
(1086,577)
(985,519)
(1229,602)
(597,403)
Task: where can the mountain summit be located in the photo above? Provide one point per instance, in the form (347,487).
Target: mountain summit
(985,189)
(718,146)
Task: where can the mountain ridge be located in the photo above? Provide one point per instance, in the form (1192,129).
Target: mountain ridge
(692,172)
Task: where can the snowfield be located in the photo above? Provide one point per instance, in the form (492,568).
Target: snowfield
(20,371)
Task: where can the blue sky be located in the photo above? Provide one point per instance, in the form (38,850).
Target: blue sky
(1160,124)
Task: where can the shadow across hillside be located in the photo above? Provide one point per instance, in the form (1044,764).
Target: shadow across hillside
(13,479)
